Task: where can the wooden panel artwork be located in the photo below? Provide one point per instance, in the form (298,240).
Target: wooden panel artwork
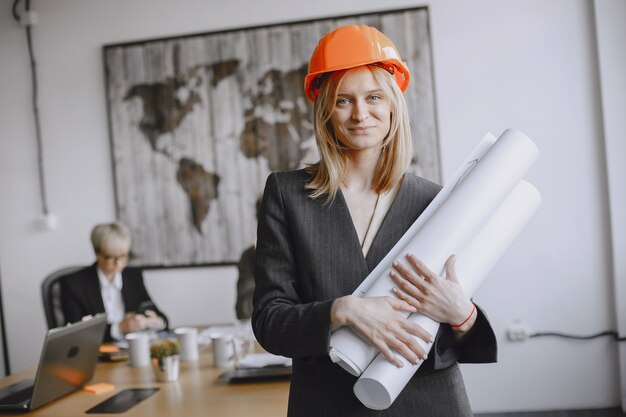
(198,122)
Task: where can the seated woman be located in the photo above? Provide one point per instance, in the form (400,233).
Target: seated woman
(108,286)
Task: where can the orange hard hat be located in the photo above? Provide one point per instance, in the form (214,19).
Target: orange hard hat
(352,46)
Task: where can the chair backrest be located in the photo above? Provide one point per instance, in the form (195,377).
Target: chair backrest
(51,296)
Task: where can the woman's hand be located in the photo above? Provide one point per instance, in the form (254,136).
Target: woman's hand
(152,321)
(442,300)
(131,323)
(135,322)
(378,320)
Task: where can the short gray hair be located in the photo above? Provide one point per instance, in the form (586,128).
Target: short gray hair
(113,238)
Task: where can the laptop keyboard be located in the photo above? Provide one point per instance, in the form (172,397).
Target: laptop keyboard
(17,393)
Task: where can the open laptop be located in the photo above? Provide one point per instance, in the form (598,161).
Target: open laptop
(68,360)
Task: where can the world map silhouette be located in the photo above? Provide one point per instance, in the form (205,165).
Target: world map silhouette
(277,124)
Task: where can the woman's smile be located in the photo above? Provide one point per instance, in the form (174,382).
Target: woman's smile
(362,129)
(362,116)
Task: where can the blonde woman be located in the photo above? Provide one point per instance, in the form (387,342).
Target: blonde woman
(323,229)
(109,286)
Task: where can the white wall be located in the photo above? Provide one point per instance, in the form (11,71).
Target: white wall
(533,66)
(527,64)
(194,296)
(610,18)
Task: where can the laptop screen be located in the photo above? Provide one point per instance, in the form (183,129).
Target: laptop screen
(68,359)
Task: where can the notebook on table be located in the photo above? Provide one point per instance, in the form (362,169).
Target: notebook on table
(67,363)
(259,366)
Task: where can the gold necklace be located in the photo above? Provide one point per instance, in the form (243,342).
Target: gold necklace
(369,225)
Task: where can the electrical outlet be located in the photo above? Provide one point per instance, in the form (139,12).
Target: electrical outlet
(29,18)
(518,331)
(47,222)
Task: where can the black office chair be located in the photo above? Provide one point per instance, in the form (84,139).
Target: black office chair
(51,296)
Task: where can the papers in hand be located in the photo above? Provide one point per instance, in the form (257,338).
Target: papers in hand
(477,215)
(262,360)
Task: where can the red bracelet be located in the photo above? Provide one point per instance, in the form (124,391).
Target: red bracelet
(456,326)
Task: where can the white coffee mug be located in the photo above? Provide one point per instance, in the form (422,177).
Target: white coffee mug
(188,339)
(139,349)
(223,350)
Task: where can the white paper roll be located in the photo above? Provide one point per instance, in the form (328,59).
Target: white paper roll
(382,382)
(451,224)
(466,167)
(348,350)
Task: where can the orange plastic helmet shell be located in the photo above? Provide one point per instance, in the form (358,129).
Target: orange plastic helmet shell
(352,46)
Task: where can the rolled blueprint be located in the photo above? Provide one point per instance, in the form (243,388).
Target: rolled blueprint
(382,382)
(470,162)
(467,205)
(347,349)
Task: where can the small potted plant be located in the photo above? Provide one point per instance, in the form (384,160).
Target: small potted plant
(165,359)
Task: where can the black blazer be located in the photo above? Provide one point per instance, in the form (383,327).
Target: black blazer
(309,254)
(81,295)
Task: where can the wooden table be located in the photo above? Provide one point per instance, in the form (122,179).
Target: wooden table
(198,392)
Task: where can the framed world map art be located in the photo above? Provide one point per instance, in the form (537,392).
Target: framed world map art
(198,122)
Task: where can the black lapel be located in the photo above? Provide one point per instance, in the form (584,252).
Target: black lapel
(399,217)
(413,197)
(345,232)
(129,295)
(93,293)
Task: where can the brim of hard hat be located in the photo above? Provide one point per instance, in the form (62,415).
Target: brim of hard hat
(401,75)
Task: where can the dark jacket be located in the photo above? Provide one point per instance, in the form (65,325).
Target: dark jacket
(309,254)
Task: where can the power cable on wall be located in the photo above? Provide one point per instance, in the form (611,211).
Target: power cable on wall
(3,336)
(28,20)
(519,331)
(611,333)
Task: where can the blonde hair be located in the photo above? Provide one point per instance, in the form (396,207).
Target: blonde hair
(112,238)
(329,173)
